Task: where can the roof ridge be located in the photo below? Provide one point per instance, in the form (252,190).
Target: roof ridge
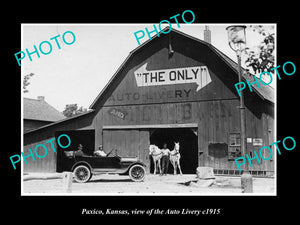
(35,109)
(60,121)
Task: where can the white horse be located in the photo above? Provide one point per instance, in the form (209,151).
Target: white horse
(156,154)
(175,158)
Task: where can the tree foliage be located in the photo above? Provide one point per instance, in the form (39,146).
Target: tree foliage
(262,57)
(26,82)
(72,110)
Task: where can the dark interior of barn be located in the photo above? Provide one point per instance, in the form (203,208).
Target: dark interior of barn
(188,147)
(84,137)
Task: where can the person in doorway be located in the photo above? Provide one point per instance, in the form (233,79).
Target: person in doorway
(165,159)
(100,152)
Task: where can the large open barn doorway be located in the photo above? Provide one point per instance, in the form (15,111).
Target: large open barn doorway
(188,146)
(84,137)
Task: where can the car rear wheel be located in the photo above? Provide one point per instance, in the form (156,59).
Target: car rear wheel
(82,174)
(137,173)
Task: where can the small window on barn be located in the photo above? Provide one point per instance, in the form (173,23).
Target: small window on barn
(234,146)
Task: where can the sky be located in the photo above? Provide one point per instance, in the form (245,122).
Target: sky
(78,72)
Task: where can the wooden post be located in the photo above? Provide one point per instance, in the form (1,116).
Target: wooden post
(246,178)
(67,182)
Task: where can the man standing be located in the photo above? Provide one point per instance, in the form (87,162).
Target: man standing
(165,159)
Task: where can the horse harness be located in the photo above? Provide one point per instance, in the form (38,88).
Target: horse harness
(156,154)
(177,152)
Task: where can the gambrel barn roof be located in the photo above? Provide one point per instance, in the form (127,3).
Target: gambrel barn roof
(265,92)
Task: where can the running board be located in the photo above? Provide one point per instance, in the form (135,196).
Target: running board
(108,171)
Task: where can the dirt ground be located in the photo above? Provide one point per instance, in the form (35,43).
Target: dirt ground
(152,185)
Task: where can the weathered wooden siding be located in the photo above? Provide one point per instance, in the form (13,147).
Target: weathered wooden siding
(214,108)
(48,163)
(128,93)
(129,143)
(33,124)
(215,119)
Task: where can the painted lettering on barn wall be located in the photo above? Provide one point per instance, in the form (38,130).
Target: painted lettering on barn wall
(197,74)
(117,113)
(161,94)
(147,113)
(184,112)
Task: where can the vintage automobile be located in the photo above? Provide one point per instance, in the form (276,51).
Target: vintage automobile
(84,166)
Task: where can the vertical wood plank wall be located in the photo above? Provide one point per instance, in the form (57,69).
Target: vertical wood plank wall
(129,143)
(214,107)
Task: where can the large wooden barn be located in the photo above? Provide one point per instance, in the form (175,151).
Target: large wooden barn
(172,88)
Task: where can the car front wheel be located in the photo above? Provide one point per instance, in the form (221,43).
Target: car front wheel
(81,174)
(137,173)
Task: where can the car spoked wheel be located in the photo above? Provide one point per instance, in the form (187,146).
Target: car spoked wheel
(82,174)
(137,173)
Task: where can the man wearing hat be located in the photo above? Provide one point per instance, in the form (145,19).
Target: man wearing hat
(100,152)
(79,151)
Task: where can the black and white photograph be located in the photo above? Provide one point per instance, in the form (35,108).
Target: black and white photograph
(143,109)
(170,112)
